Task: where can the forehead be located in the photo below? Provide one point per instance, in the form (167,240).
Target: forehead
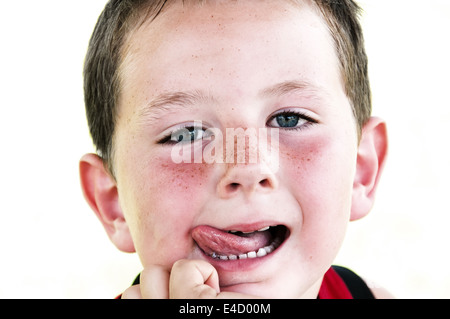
(232,44)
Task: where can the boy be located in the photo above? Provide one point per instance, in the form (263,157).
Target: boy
(166,81)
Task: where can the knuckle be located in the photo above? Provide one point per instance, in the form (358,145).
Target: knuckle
(180,264)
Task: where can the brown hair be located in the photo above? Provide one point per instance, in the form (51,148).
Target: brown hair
(102,83)
(342,17)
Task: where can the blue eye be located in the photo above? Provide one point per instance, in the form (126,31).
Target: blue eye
(287,120)
(290,120)
(185,135)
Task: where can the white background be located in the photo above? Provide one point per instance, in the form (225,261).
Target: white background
(51,244)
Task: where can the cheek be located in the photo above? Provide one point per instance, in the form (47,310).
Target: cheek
(319,173)
(320,169)
(180,183)
(161,201)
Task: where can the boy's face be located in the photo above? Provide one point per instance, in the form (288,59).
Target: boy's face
(241,64)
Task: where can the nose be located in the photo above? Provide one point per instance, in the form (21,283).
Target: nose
(246,179)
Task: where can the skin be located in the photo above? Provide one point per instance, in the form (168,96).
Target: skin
(324,179)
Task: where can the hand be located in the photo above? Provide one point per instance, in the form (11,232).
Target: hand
(188,279)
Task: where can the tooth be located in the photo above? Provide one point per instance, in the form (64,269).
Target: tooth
(251,254)
(264,229)
(261,252)
(268,249)
(233,231)
(247,232)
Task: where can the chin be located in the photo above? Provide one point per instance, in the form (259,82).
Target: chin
(264,290)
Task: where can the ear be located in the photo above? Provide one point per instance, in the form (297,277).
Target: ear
(100,191)
(371,158)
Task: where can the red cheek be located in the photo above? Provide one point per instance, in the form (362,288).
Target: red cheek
(183,178)
(301,157)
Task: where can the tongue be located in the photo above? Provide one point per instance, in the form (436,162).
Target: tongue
(212,240)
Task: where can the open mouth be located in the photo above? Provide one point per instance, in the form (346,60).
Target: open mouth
(236,244)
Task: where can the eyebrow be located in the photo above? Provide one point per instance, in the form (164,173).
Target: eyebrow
(173,101)
(287,87)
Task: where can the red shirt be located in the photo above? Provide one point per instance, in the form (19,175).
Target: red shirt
(334,287)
